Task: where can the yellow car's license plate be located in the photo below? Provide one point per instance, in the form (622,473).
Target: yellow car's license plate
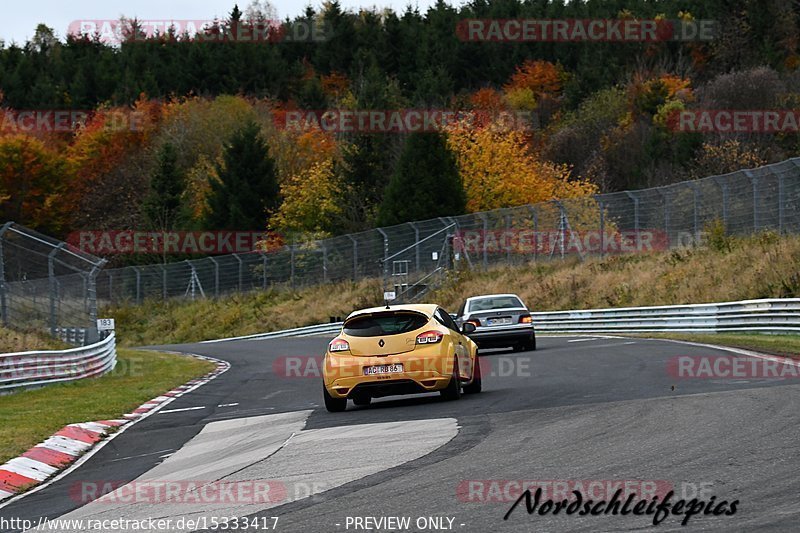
(383,369)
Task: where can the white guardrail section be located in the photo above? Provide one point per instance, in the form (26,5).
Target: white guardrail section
(756,316)
(33,369)
(778,315)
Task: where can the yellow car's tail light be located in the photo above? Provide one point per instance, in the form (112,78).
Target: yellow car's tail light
(338,345)
(429,337)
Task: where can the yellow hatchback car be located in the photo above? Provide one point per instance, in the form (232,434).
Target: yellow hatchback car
(399,349)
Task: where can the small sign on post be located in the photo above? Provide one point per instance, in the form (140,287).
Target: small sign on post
(105,324)
(389,296)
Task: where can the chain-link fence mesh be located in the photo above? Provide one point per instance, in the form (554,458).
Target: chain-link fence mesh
(410,257)
(46,284)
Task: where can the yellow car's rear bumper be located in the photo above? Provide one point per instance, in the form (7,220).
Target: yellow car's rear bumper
(424,370)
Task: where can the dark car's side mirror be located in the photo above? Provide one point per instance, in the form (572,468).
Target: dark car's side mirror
(467,328)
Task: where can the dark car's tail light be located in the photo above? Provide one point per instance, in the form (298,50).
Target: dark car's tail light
(525,319)
(338,345)
(430,337)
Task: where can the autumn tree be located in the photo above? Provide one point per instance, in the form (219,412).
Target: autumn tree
(247,189)
(425,184)
(32,179)
(498,169)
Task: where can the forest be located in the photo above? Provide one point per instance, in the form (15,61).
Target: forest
(182,132)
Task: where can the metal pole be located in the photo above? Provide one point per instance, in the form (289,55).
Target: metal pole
(324,264)
(780,204)
(416,240)
(239,260)
(216,276)
(138,285)
(483,217)
(3,287)
(535,231)
(163,282)
(385,257)
(291,257)
(723,185)
(696,208)
(264,276)
(602,226)
(636,219)
(754,183)
(51,275)
(508,234)
(355,256)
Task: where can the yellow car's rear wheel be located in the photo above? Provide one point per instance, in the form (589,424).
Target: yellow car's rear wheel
(453,389)
(333,405)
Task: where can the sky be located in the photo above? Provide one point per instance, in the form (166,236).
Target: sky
(20,18)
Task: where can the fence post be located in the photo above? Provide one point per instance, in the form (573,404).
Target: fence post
(110,287)
(324,263)
(51,275)
(723,185)
(239,260)
(92,293)
(291,266)
(636,220)
(508,235)
(385,257)
(754,183)
(163,282)
(602,225)
(3,287)
(780,204)
(138,285)
(535,215)
(695,210)
(264,266)
(483,217)
(355,256)
(216,276)
(416,240)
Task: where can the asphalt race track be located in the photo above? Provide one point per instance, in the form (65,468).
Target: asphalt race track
(576,411)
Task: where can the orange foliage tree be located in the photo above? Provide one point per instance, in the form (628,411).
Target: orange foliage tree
(498,169)
(32,180)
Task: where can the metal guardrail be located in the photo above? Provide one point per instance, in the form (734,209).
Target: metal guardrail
(755,316)
(37,368)
(774,315)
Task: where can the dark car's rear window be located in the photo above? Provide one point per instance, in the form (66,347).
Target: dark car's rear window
(378,324)
(494,302)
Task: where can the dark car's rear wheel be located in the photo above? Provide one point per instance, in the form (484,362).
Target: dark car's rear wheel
(453,389)
(476,384)
(333,405)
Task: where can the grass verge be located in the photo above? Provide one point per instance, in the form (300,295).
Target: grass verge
(785,345)
(33,415)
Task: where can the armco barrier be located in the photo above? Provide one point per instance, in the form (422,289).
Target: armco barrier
(777,315)
(33,369)
(756,316)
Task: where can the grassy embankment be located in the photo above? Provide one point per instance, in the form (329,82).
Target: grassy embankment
(762,266)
